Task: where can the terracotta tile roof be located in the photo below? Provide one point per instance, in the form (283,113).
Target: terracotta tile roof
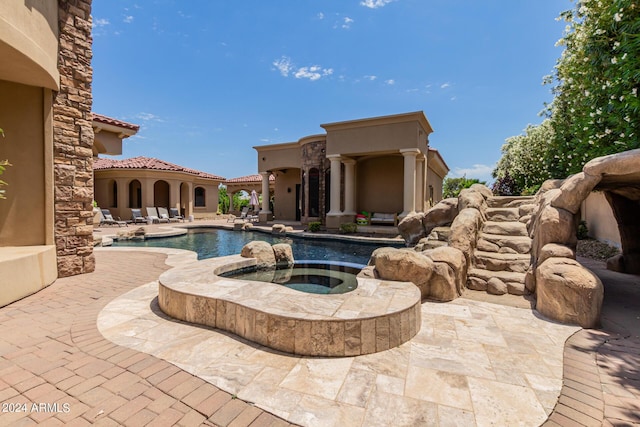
(115,122)
(142,162)
(249,178)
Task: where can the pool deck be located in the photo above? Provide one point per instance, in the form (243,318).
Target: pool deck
(473,363)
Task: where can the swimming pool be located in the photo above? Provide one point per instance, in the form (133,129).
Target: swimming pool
(215,242)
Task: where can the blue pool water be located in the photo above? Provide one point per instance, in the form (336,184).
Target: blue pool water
(211,242)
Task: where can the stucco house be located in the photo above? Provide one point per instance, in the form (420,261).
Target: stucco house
(378,164)
(142,182)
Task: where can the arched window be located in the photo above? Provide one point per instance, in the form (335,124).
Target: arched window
(135,194)
(199,194)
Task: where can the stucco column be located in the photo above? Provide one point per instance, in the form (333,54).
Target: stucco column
(123,210)
(174,194)
(147,193)
(265,192)
(189,202)
(349,186)
(409,199)
(420,183)
(335,185)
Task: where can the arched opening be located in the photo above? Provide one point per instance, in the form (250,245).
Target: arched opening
(199,197)
(161,193)
(314,192)
(113,196)
(135,194)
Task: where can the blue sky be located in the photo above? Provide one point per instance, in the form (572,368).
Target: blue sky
(209,79)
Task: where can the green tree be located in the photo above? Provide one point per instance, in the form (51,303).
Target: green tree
(239,202)
(451,187)
(596,110)
(223,199)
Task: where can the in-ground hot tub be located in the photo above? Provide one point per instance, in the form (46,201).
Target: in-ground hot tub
(313,277)
(376,316)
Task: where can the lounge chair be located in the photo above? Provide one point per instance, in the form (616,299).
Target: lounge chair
(107,219)
(175,213)
(253,216)
(164,214)
(152,214)
(136,216)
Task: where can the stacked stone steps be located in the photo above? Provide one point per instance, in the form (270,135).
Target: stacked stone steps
(503,248)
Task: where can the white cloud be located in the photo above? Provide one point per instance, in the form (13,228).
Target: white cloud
(100,23)
(371,78)
(320,15)
(347,22)
(128,19)
(283,65)
(314,72)
(445,85)
(478,171)
(148,117)
(390,82)
(374,4)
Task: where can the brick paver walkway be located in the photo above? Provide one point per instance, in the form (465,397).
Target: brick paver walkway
(57,369)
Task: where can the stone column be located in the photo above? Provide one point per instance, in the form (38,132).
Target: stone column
(349,187)
(409,199)
(335,185)
(420,180)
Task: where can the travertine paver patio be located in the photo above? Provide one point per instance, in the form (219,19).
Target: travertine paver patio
(472,363)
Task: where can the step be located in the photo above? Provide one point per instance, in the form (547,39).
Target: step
(432,244)
(520,244)
(510,228)
(505,276)
(503,214)
(509,201)
(493,261)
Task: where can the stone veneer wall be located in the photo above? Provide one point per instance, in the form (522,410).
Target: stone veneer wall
(73,141)
(313,156)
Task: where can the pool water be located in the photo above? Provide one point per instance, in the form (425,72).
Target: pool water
(309,277)
(212,242)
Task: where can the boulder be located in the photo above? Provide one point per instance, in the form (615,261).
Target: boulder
(516,288)
(262,252)
(471,199)
(443,286)
(555,250)
(550,184)
(283,254)
(568,293)
(465,230)
(455,259)
(482,189)
(616,263)
(496,286)
(486,246)
(527,209)
(574,191)
(554,225)
(405,266)
(278,229)
(369,272)
(614,164)
(377,252)
(247,226)
(411,228)
(530,280)
(441,214)
(510,228)
(476,283)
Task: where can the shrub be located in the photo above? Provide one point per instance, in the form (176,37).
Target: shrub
(583,231)
(348,228)
(314,227)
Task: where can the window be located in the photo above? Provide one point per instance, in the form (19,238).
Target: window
(199,197)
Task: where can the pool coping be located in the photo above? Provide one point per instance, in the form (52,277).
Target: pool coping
(376,316)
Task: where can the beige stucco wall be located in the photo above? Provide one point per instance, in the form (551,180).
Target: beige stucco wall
(284,204)
(601,223)
(376,139)
(29,42)
(434,180)
(280,156)
(107,143)
(377,191)
(23,215)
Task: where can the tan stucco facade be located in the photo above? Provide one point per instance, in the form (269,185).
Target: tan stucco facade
(120,190)
(601,223)
(379,164)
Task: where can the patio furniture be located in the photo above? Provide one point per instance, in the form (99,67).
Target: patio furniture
(136,216)
(174,213)
(379,218)
(152,214)
(164,214)
(107,219)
